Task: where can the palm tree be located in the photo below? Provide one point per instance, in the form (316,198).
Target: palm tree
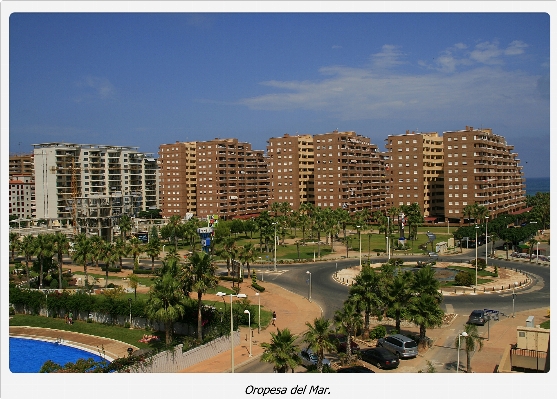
(365,291)
(472,340)
(247,255)
(173,229)
(200,275)
(125,225)
(136,248)
(531,242)
(44,249)
(121,249)
(97,244)
(61,247)
(470,211)
(348,319)
(398,294)
(27,248)
(153,247)
(14,243)
(82,253)
(166,302)
(317,336)
(281,351)
(424,310)
(110,256)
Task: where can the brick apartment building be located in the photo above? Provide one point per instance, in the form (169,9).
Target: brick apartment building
(222,177)
(445,174)
(481,168)
(415,172)
(291,163)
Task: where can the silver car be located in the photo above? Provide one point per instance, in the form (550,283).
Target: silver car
(309,358)
(400,345)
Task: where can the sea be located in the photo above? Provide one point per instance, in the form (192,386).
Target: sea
(537,185)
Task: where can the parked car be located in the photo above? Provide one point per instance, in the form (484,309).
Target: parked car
(380,357)
(433,255)
(340,342)
(355,369)
(309,358)
(400,345)
(477,317)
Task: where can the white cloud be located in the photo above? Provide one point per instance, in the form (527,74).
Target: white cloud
(515,48)
(93,87)
(390,56)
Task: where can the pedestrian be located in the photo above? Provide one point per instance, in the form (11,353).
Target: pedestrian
(274,317)
(66,318)
(70,320)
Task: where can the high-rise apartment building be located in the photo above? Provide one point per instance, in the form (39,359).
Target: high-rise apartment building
(481,168)
(415,172)
(349,172)
(291,163)
(22,196)
(178,178)
(21,164)
(230,180)
(65,172)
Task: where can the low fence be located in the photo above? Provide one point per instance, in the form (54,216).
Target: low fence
(176,360)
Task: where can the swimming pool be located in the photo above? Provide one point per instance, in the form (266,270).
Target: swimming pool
(28,355)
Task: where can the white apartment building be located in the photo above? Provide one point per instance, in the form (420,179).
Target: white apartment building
(66,171)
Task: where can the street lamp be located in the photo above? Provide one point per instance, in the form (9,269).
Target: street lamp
(538,252)
(231,326)
(130,302)
(249,329)
(514,295)
(309,292)
(487,217)
(258,312)
(360,234)
(388,238)
(476,286)
(275,245)
(463,334)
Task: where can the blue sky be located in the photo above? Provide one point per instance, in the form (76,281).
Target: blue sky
(147,79)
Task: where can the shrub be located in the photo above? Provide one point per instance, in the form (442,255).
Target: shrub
(481,263)
(127,324)
(378,332)
(258,287)
(464,278)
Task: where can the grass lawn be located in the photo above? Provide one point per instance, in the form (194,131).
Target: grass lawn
(545,324)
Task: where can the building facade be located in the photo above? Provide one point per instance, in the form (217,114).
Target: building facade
(291,163)
(349,172)
(415,172)
(65,172)
(21,164)
(22,196)
(480,168)
(178,178)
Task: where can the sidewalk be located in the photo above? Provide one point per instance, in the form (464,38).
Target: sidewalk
(293,311)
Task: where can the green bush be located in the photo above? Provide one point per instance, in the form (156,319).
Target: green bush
(378,332)
(258,287)
(464,278)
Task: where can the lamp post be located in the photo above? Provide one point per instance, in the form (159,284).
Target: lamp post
(309,292)
(360,234)
(258,312)
(487,217)
(231,326)
(163,250)
(275,246)
(514,295)
(537,252)
(130,302)
(463,334)
(249,329)
(388,238)
(476,286)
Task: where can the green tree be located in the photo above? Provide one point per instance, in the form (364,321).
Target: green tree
(121,249)
(167,302)
(469,343)
(134,283)
(125,225)
(61,247)
(110,256)
(82,253)
(281,351)
(200,275)
(247,255)
(173,230)
(398,294)
(317,336)
(14,243)
(153,247)
(136,249)
(44,249)
(27,248)
(348,319)
(366,292)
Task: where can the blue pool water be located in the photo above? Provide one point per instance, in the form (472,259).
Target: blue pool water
(28,355)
